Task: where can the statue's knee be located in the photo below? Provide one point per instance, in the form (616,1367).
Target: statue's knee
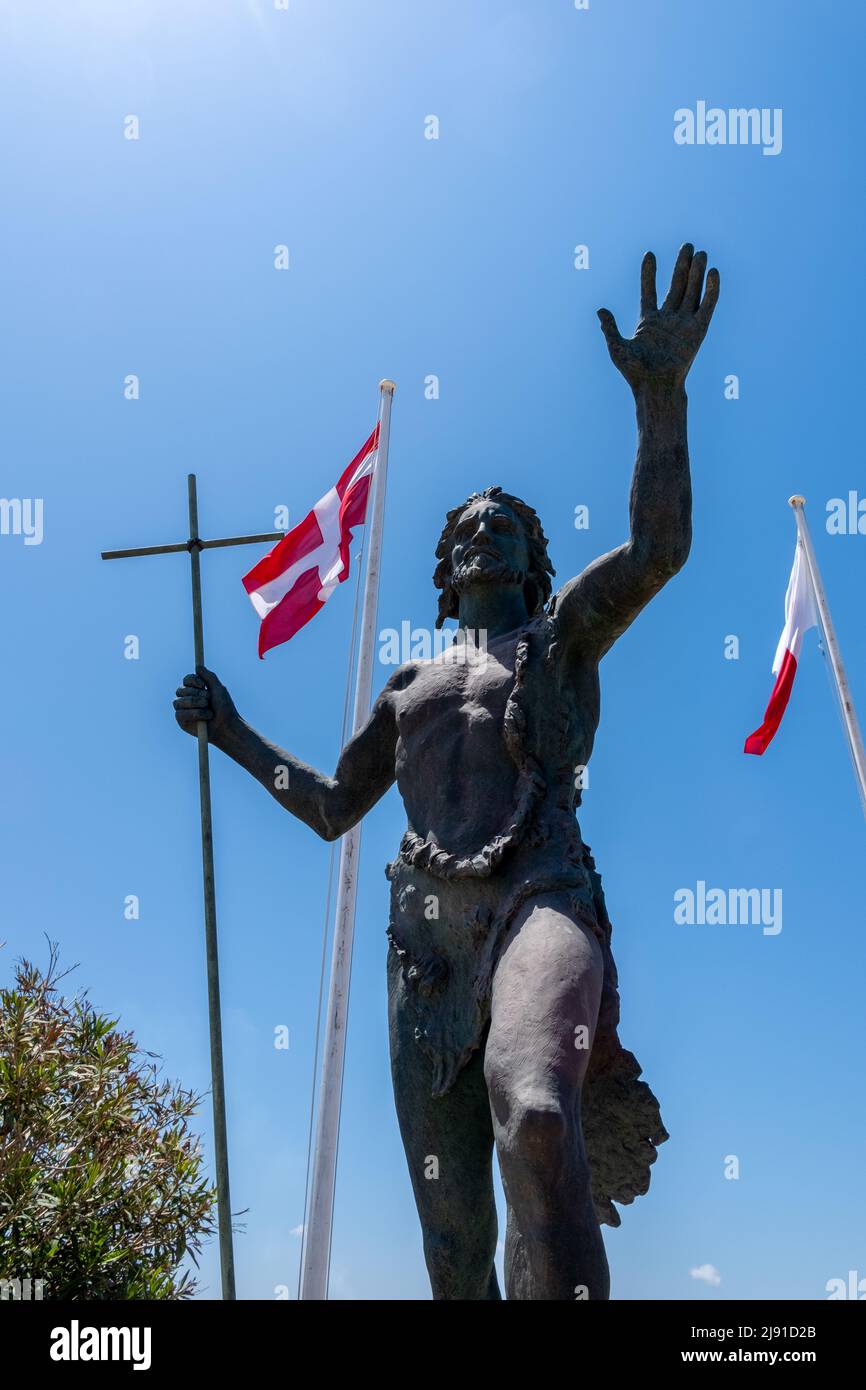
(539,1129)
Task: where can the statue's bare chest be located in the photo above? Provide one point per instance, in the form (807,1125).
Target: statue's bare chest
(457,696)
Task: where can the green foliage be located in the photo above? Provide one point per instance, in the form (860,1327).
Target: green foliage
(102,1192)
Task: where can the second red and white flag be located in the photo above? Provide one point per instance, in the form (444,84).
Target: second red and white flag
(800,614)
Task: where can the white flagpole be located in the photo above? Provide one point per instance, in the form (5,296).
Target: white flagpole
(317,1237)
(846,703)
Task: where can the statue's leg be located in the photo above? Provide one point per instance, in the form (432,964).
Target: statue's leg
(449,1148)
(544,1006)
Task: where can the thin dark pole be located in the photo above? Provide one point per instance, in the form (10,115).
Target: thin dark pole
(227,1260)
(195,545)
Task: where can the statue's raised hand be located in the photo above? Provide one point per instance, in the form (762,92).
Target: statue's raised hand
(667,338)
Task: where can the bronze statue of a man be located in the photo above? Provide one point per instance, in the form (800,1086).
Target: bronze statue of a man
(502,990)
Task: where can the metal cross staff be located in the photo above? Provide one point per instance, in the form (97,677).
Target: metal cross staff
(195,545)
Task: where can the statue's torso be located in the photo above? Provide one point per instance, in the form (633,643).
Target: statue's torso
(454,770)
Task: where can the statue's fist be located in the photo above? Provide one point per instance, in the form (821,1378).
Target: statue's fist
(203,696)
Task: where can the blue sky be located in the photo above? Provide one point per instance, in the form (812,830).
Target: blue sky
(454,257)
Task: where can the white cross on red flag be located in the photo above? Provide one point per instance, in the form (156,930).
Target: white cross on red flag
(294,581)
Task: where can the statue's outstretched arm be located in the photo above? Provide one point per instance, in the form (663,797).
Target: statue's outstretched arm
(597,606)
(329,805)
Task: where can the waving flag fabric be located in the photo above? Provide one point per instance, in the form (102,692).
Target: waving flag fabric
(297,577)
(800,615)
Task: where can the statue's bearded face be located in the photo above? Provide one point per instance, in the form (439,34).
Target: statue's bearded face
(489,546)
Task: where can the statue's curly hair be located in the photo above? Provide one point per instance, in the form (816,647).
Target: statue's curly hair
(537,586)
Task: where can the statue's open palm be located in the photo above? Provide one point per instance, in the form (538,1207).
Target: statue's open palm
(666,339)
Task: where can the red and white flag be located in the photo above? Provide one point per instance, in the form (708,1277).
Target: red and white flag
(800,614)
(297,577)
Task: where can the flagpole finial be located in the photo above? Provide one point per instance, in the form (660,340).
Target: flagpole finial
(796,501)
(387,385)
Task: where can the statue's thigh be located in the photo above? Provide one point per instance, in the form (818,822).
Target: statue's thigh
(544,1005)
(454,1129)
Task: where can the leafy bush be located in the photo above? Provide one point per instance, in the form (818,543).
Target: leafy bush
(102,1192)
